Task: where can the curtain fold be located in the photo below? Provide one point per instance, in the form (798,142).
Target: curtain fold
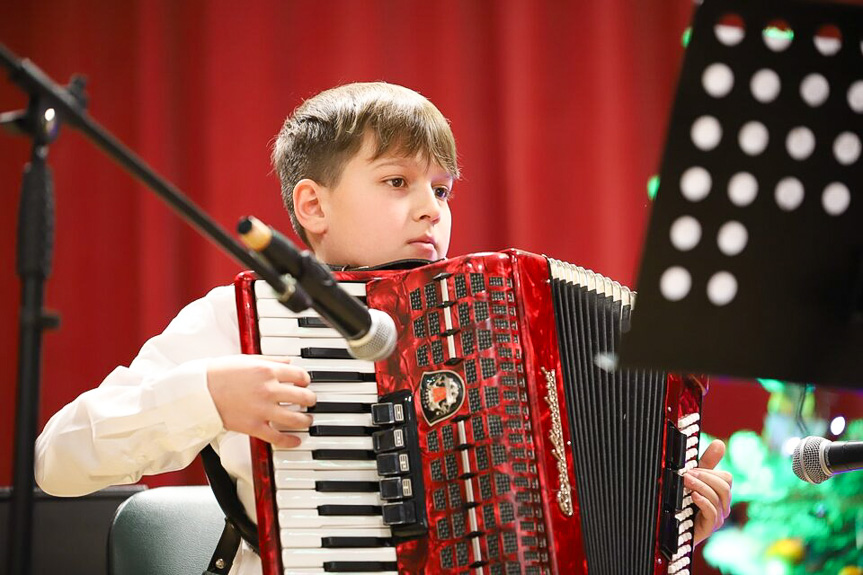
(558,108)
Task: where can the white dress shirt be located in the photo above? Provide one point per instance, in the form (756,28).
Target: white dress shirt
(153,416)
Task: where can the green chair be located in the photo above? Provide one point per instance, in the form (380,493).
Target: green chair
(165,531)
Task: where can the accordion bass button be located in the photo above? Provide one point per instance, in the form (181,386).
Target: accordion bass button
(396,488)
(387,413)
(393,463)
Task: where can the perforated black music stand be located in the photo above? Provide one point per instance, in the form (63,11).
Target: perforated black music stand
(753,264)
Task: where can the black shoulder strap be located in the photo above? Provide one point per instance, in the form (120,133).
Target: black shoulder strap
(226,550)
(237,523)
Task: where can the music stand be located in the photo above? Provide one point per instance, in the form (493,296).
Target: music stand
(753,264)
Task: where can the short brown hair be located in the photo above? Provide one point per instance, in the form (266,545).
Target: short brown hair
(327,130)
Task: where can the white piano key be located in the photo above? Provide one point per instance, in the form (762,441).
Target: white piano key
(263,289)
(289,327)
(334,364)
(271,307)
(691,430)
(688,420)
(346,387)
(343,419)
(308,499)
(309,518)
(305,538)
(305,478)
(293,346)
(289,458)
(308,443)
(681,552)
(326,397)
(317,557)
(684,537)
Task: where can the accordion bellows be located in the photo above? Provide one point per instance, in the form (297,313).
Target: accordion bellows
(500,437)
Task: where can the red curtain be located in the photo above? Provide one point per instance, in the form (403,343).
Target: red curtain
(558,108)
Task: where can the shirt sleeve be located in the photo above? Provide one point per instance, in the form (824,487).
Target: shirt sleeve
(150,417)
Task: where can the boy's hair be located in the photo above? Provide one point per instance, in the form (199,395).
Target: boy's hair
(327,130)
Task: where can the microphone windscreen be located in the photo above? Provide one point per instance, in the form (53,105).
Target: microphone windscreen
(807,464)
(380,340)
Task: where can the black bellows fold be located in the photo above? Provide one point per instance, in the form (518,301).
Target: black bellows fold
(616,423)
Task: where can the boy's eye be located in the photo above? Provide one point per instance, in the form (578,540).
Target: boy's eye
(443,193)
(397,182)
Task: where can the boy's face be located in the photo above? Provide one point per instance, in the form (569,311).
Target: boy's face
(385,209)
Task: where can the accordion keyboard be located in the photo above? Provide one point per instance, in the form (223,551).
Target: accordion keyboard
(327,488)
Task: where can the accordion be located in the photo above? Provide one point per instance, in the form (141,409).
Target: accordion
(498,438)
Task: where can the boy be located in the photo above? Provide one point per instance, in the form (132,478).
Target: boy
(366,172)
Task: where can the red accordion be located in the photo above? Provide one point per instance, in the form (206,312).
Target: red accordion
(498,438)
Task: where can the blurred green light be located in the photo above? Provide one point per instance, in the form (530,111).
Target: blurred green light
(772,385)
(652,187)
(774,32)
(687,35)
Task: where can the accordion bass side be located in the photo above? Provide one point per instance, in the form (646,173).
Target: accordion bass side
(498,438)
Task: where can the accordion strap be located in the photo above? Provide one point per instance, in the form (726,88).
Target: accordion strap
(226,550)
(237,524)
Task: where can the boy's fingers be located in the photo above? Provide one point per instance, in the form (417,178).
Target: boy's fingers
(712,455)
(715,485)
(291,374)
(278,439)
(708,516)
(278,358)
(285,419)
(286,393)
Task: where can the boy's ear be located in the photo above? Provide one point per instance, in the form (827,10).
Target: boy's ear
(308,206)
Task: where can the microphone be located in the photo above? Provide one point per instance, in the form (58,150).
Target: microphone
(370,333)
(817,459)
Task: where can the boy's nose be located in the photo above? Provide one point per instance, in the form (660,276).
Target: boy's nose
(428,205)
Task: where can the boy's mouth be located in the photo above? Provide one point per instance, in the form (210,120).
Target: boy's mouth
(425,244)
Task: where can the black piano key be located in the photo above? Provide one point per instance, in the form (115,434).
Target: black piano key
(340,407)
(346,486)
(322,376)
(339,431)
(361,542)
(343,454)
(332,510)
(360,566)
(311,322)
(325,353)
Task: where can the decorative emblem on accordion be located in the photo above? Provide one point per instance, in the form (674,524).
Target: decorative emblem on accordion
(492,441)
(442,395)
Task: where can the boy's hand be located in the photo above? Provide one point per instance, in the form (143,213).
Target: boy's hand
(249,391)
(711,491)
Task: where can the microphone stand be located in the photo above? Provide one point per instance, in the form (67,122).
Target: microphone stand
(33,266)
(49,104)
